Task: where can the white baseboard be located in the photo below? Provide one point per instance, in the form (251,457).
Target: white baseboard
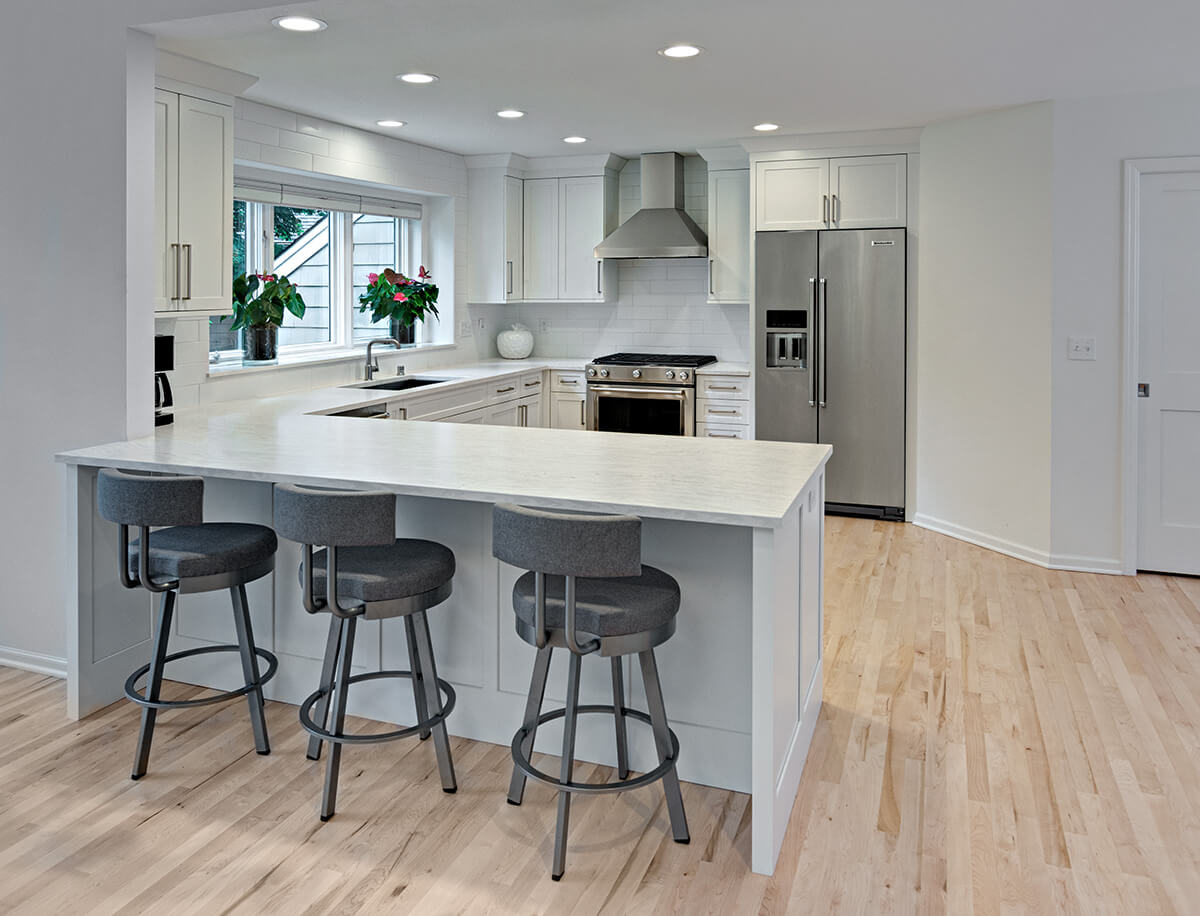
(32,661)
(1067,562)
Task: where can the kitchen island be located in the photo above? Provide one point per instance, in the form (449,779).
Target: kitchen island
(739,524)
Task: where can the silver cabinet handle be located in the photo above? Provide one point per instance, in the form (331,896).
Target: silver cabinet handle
(509,290)
(721,435)
(568,381)
(582,420)
(710,276)
(532,384)
(732,413)
(505,390)
(824,367)
(722,387)
(188,247)
(812,369)
(599,291)
(178,268)
(403,413)
(825,208)
(833,208)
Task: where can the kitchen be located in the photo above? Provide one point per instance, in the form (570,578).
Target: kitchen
(1043,483)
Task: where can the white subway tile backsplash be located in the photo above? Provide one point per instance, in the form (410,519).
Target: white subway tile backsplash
(291,159)
(306,143)
(255,132)
(245,110)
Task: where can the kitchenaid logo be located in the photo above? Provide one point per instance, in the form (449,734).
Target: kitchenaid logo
(875,242)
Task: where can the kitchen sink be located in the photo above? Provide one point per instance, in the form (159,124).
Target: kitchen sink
(370,412)
(399,384)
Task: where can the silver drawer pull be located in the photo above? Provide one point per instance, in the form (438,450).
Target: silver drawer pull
(505,390)
(532,384)
(722,435)
(568,381)
(722,387)
(730,412)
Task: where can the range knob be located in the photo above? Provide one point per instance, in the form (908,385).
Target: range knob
(603,373)
(591,373)
(637,373)
(683,376)
(670,373)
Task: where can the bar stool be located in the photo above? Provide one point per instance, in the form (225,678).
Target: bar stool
(588,592)
(380,576)
(189,556)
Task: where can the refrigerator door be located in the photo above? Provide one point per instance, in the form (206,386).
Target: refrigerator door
(784,297)
(861,365)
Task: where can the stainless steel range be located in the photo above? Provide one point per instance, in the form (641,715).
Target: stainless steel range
(644,393)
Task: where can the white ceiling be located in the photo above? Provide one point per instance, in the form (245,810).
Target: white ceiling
(590,68)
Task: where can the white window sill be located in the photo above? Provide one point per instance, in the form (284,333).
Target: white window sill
(305,360)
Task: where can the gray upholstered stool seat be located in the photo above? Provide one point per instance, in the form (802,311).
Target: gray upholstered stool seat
(603,607)
(385,572)
(190,551)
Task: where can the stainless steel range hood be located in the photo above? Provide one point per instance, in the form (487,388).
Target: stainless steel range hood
(660,229)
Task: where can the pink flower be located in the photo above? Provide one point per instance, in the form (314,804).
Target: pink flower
(399,297)
(371,278)
(424,274)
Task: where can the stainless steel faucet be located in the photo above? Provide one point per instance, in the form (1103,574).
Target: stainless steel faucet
(372,365)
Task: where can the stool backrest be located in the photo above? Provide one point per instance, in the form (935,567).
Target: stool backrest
(143,501)
(335,518)
(567,544)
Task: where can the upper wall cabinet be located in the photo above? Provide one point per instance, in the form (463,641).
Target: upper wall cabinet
(846,193)
(729,235)
(495,266)
(193,204)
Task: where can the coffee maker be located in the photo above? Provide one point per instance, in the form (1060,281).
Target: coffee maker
(164,362)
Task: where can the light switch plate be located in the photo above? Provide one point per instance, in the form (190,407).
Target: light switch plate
(464,328)
(1081,348)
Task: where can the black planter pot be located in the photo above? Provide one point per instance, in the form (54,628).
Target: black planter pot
(260,345)
(403,332)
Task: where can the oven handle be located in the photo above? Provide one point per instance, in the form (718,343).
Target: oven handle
(641,391)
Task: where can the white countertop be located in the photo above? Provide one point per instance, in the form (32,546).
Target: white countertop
(279,439)
(721,367)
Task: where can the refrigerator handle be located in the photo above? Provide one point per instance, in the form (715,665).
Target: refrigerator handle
(821,359)
(812,363)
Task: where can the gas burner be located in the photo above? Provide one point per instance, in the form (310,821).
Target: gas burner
(673,360)
(647,368)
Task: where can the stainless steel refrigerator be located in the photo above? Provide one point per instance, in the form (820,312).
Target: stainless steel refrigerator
(830,364)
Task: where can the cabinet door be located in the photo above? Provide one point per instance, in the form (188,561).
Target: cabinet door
(166,199)
(540,238)
(470,416)
(566,411)
(530,408)
(791,194)
(506,414)
(580,230)
(868,192)
(205,204)
(729,236)
(514,205)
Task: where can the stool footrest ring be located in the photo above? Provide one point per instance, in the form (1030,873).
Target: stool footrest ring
(591,788)
(307,723)
(131,688)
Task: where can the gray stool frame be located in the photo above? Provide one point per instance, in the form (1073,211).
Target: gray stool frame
(515,525)
(184,496)
(374,523)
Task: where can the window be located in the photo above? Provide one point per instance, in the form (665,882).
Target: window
(328,253)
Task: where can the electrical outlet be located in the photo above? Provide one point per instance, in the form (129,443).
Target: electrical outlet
(464,328)
(480,323)
(543,326)
(1081,348)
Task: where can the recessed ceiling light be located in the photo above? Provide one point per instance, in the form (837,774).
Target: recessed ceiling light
(574,139)
(417,77)
(390,123)
(510,113)
(298,24)
(766,126)
(678,51)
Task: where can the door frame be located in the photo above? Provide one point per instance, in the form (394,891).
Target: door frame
(1135,170)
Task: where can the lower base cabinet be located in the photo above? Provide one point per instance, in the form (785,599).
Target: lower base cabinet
(567,411)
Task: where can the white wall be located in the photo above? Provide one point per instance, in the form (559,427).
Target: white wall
(1091,138)
(983,363)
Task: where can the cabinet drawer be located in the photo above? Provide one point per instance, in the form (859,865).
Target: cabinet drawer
(568,381)
(504,390)
(711,411)
(724,387)
(713,431)
(434,407)
(531,383)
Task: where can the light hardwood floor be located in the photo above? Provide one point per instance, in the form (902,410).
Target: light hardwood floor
(995,738)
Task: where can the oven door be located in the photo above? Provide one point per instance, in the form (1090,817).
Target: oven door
(665,410)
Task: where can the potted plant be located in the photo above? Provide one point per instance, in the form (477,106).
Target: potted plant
(401,299)
(259,303)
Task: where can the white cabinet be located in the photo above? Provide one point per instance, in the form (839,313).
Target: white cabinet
(506,414)
(530,410)
(568,395)
(193,179)
(564,220)
(845,193)
(495,225)
(723,407)
(729,235)
(514,245)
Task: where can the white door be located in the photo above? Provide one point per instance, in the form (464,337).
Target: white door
(729,235)
(531,410)
(205,204)
(867,192)
(513,231)
(566,411)
(507,414)
(580,230)
(166,199)
(792,194)
(1168,299)
(541,238)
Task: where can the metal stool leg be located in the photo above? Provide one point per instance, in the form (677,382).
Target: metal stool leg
(328,669)
(245,634)
(568,765)
(662,739)
(162,636)
(418,681)
(333,764)
(533,708)
(618,682)
(433,701)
